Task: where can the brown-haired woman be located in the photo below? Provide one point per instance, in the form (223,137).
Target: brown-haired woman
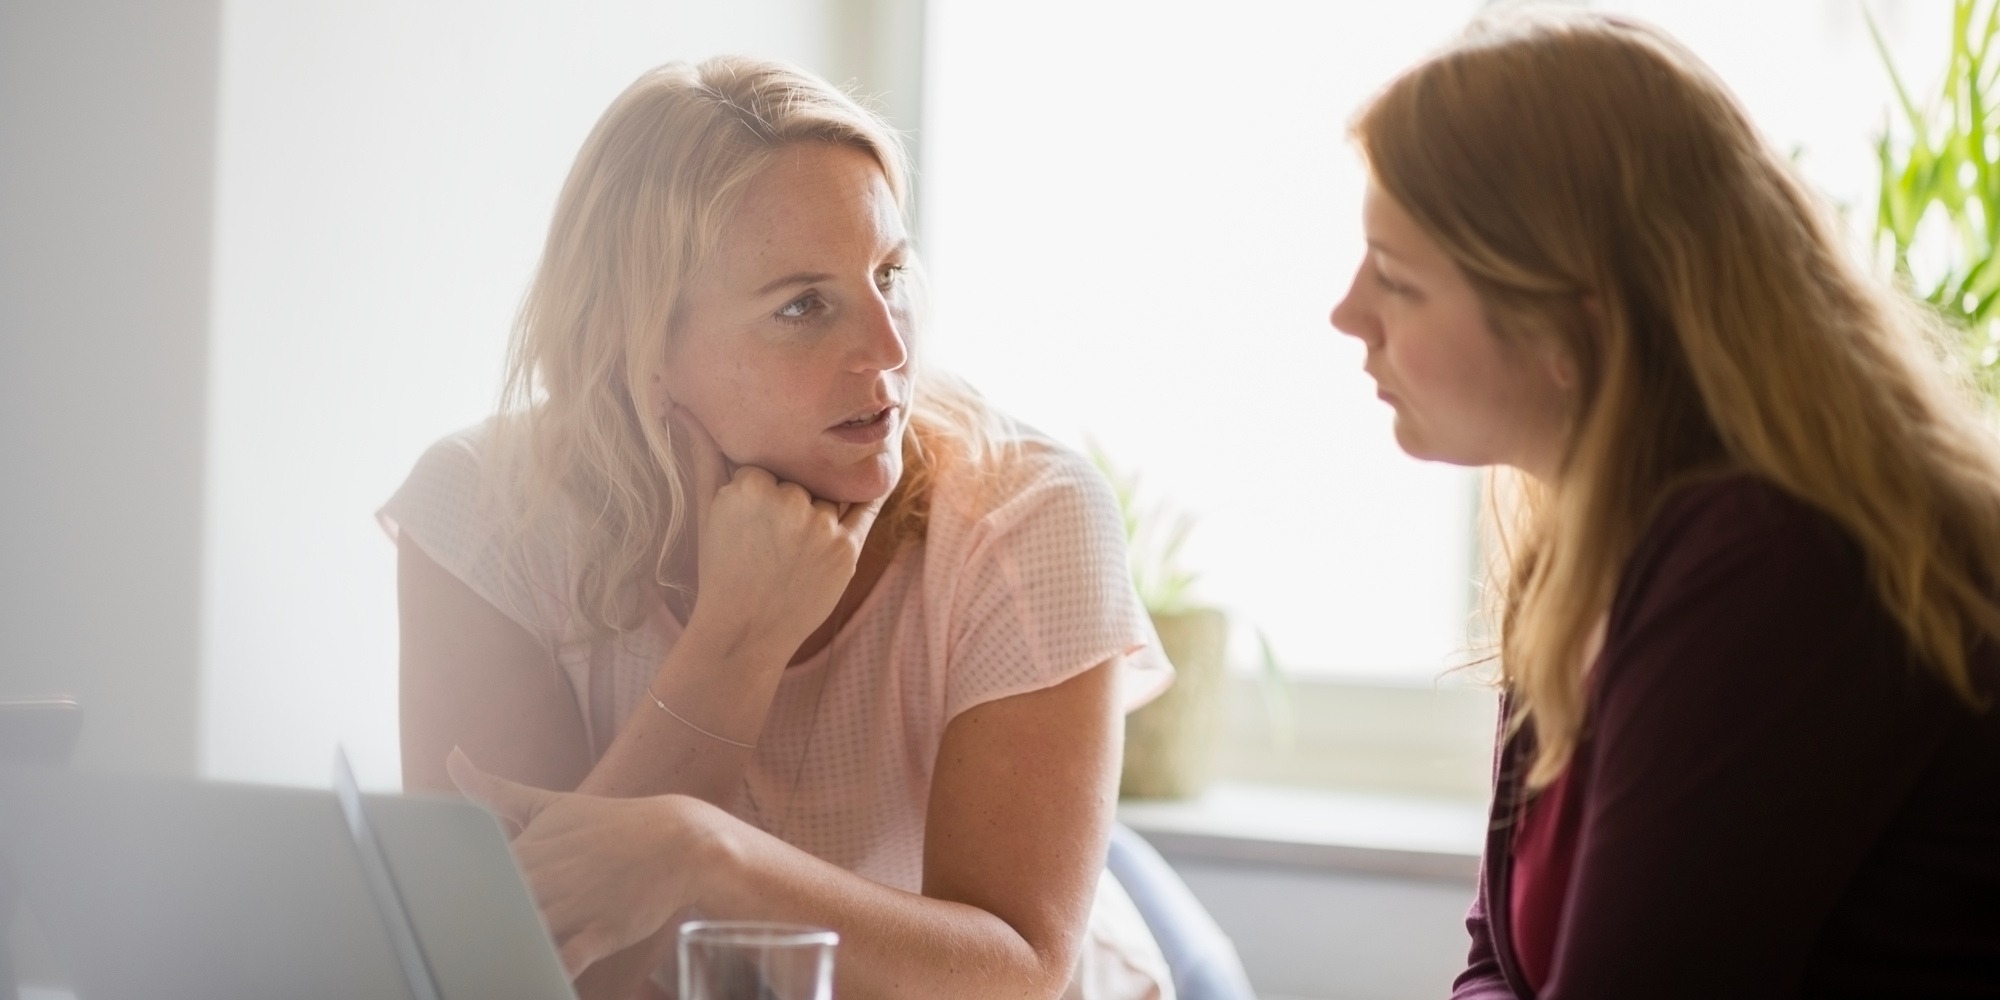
(1748,609)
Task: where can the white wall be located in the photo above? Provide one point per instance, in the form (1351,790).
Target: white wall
(107,130)
(386,171)
(1322,935)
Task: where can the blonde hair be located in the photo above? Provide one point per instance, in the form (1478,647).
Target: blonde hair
(642,211)
(1600,186)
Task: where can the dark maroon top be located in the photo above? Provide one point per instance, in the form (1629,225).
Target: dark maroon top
(1771,800)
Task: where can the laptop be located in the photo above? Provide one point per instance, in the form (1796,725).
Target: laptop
(154,888)
(39,731)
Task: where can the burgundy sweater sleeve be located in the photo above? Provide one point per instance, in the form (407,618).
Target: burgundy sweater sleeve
(1481,979)
(1755,725)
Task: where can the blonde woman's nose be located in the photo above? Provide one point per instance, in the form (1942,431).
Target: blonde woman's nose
(880,335)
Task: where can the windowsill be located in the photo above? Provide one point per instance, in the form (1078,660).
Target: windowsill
(1425,742)
(1333,831)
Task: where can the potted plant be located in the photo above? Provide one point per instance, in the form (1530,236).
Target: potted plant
(1940,194)
(1170,743)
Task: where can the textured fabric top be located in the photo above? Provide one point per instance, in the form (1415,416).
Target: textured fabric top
(1020,582)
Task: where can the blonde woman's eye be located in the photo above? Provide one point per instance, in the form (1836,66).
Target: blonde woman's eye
(890,276)
(799,308)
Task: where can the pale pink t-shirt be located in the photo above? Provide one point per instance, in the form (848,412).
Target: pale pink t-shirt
(1019,583)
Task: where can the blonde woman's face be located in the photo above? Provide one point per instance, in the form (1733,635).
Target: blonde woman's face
(1459,393)
(793,350)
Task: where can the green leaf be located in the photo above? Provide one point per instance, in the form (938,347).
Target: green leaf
(1275,687)
(1910,109)
(1154,537)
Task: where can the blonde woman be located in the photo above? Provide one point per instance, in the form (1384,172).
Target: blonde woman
(747,617)
(1749,607)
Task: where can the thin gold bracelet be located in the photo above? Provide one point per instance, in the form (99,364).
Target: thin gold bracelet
(677,718)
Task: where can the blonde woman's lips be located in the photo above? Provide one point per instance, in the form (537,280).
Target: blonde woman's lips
(868,428)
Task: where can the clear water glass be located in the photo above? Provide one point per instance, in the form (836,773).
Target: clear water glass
(753,960)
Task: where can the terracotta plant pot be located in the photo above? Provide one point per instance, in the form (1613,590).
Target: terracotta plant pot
(1170,743)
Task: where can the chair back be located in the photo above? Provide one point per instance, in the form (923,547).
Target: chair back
(1199,955)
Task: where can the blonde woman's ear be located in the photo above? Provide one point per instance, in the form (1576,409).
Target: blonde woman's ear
(662,401)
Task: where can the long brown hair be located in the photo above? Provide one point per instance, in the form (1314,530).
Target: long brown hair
(1600,186)
(642,210)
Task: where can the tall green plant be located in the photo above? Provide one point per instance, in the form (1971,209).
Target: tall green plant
(1154,536)
(1941,185)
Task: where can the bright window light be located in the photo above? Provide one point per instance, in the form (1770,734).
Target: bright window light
(1137,217)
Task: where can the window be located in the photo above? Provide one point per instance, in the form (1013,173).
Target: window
(1136,226)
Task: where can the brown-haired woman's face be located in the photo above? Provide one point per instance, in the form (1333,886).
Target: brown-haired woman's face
(793,347)
(1460,394)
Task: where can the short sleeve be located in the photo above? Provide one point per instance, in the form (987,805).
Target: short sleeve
(1046,591)
(456,517)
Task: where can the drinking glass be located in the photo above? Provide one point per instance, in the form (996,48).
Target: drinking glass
(753,960)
